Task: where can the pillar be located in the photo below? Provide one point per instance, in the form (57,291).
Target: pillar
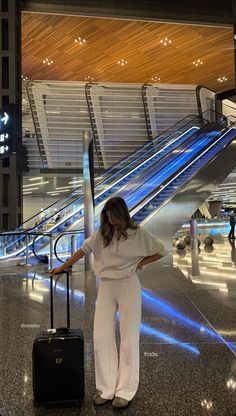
(11,166)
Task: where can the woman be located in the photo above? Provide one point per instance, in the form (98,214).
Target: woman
(120,249)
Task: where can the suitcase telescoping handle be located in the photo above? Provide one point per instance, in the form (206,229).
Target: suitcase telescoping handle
(67,302)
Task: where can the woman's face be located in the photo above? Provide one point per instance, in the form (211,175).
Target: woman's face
(112,220)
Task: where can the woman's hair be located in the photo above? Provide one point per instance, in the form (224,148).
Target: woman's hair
(120,213)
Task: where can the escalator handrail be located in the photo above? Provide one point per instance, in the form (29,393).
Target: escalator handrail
(168,181)
(40,258)
(62,235)
(48,218)
(73,231)
(80,198)
(190,177)
(194,117)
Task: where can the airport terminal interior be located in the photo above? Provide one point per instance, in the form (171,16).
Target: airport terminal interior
(103,100)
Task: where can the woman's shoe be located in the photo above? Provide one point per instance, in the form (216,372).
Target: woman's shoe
(98,400)
(120,402)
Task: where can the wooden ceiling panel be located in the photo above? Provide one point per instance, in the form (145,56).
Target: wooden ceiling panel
(109,40)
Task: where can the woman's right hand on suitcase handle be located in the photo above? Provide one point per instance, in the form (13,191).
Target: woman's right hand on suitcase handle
(56,270)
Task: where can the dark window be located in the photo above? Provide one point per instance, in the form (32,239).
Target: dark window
(4,6)
(5,35)
(5,72)
(5,222)
(6,162)
(5,189)
(5,100)
(19,190)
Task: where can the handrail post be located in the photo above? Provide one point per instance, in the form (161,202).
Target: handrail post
(27,251)
(194,247)
(51,252)
(88,196)
(72,245)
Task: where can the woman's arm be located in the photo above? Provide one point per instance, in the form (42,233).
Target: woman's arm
(75,257)
(149,259)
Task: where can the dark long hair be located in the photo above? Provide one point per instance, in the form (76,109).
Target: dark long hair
(120,212)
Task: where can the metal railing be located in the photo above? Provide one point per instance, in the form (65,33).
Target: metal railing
(26,241)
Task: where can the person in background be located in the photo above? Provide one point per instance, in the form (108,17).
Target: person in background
(232,221)
(120,248)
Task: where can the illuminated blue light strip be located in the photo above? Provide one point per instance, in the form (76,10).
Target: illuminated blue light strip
(166,171)
(232,345)
(168,310)
(146,329)
(151,331)
(58,286)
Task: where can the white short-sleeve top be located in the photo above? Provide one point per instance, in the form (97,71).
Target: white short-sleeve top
(121,257)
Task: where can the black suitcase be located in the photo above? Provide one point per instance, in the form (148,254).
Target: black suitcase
(58,362)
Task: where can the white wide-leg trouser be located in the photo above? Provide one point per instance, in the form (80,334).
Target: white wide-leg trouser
(115,378)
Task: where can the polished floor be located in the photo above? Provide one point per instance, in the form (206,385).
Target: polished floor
(187,344)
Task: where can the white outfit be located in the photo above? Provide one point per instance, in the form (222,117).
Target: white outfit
(119,289)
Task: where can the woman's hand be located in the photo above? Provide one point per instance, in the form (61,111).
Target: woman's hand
(139,266)
(56,270)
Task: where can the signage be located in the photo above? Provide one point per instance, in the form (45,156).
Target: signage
(7,133)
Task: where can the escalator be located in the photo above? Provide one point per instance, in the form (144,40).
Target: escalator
(156,191)
(71,207)
(151,178)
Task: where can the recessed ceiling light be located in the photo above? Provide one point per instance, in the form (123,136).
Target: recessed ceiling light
(198,62)
(156,79)
(80,41)
(122,62)
(47,61)
(27,193)
(166,41)
(222,79)
(24,78)
(88,78)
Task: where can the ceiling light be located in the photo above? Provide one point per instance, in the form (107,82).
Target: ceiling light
(222,79)
(63,187)
(27,193)
(35,179)
(88,78)
(165,41)
(80,41)
(122,62)
(31,189)
(63,190)
(197,62)
(156,79)
(75,182)
(39,183)
(24,78)
(54,194)
(47,61)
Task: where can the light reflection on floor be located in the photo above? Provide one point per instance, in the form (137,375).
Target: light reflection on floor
(211,266)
